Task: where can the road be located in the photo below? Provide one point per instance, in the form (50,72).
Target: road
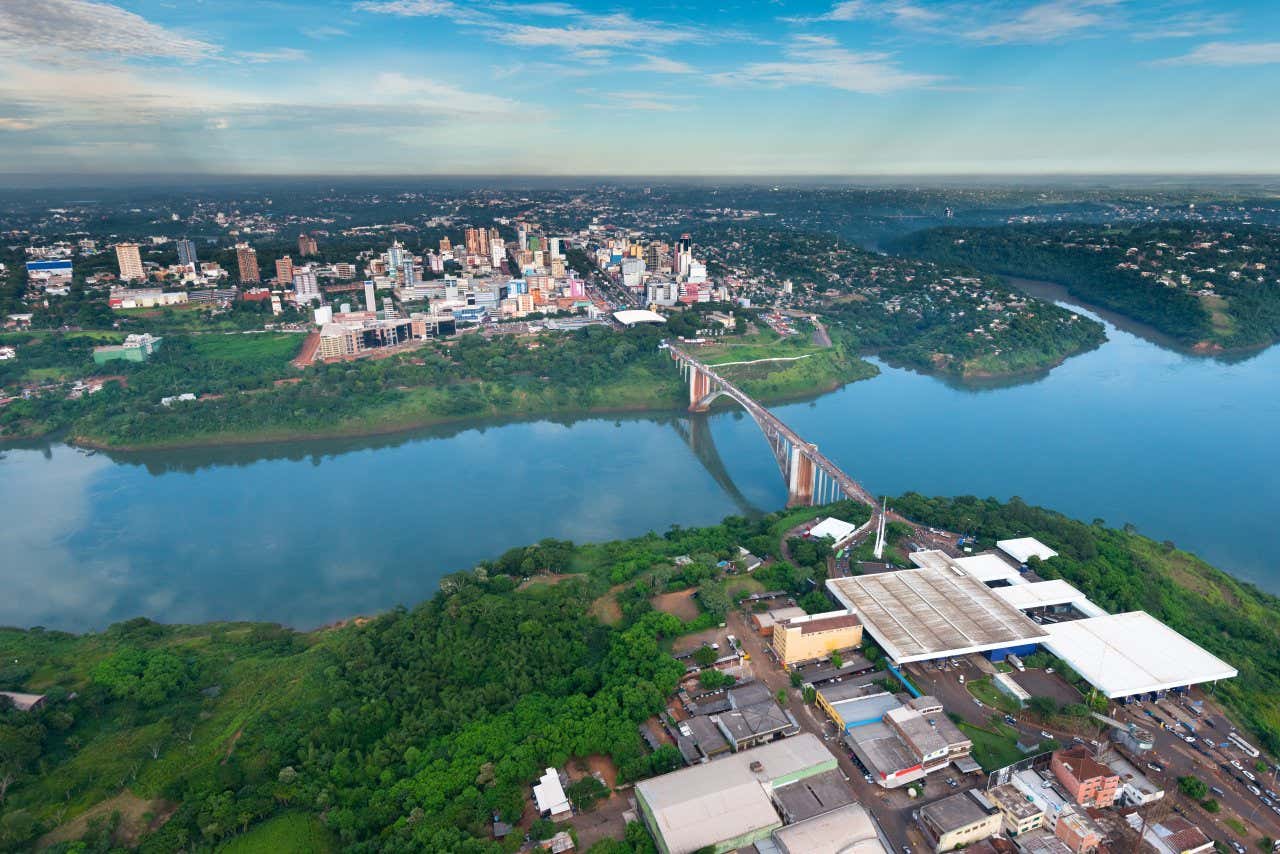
(889,808)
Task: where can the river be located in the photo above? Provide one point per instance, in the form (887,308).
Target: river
(1185,448)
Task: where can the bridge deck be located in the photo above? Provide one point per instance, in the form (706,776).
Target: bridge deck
(767,420)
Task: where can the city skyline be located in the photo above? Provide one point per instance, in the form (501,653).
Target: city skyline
(860,87)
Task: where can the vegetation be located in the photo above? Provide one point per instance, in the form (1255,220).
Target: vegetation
(1138,271)
(411,731)
(1123,571)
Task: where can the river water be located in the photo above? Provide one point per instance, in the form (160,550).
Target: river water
(1185,448)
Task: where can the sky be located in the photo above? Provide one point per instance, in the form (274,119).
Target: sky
(855,87)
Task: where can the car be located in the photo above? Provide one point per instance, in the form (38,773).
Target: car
(906,849)
(1235,763)
(1189,739)
(1010,719)
(1266,800)
(1254,789)
(977,702)
(1155,766)
(1048,670)
(1044,734)
(867,777)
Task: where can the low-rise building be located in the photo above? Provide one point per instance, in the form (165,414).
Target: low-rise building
(144,298)
(1088,781)
(136,348)
(727,804)
(23,702)
(958,820)
(549,796)
(1020,813)
(847,830)
(765,622)
(1136,788)
(1077,831)
(815,636)
(1174,835)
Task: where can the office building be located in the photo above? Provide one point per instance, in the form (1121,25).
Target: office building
(247,261)
(130,262)
(307,245)
(136,348)
(815,636)
(187,253)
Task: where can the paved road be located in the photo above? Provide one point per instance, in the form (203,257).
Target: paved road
(894,817)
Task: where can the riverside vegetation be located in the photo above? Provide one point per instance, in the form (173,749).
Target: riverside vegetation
(411,730)
(1212,286)
(250,391)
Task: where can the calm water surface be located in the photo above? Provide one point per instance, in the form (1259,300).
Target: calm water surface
(1184,448)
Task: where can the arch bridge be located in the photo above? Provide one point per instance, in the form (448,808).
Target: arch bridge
(810,476)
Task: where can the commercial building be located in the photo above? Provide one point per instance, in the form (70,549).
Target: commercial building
(284,269)
(144,298)
(51,272)
(247,261)
(727,804)
(351,337)
(934,612)
(632,316)
(959,819)
(815,636)
(1020,814)
(1078,832)
(847,830)
(753,717)
(305,286)
(136,348)
(851,705)
(130,263)
(1129,654)
(306,245)
(905,742)
(1088,781)
(1136,788)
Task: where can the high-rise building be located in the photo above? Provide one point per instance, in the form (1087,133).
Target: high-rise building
(408,276)
(130,262)
(305,286)
(187,253)
(522,237)
(445,245)
(344,270)
(284,269)
(247,260)
(396,256)
(497,250)
(370,296)
(307,245)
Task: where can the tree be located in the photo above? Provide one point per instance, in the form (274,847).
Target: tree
(781,696)
(1043,707)
(705,656)
(796,679)
(837,660)
(1193,787)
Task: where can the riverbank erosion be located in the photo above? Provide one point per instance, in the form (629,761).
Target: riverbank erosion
(368,733)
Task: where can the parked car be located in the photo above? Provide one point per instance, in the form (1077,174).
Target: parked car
(1044,734)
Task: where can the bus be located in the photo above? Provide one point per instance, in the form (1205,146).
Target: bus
(1245,746)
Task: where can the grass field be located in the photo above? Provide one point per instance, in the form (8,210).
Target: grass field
(292,833)
(986,691)
(995,747)
(256,347)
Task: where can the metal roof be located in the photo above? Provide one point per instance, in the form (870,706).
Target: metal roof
(931,612)
(1041,594)
(1022,548)
(1133,653)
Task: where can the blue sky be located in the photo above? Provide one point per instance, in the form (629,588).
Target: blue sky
(438,86)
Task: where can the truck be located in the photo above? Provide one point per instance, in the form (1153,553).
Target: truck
(1016,662)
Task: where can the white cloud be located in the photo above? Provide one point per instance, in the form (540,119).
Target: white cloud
(1189,25)
(323,31)
(554,10)
(82,25)
(647,102)
(1046,22)
(900,12)
(821,61)
(664,65)
(7,123)
(1229,54)
(281,54)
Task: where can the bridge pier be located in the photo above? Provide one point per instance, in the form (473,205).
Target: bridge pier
(699,388)
(801,479)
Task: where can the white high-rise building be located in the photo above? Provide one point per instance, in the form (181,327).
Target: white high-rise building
(370,296)
(305,286)
(697,272)
(632,272)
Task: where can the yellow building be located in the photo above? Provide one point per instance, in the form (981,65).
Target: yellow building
(958,820)
(816,636)
(130,262)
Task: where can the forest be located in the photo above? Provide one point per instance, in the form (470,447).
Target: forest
(1120,269)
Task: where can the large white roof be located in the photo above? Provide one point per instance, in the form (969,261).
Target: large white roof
(706,804)
(1133,653)
(1025,547)
(1041,594)
(632,316)
(989,566)
(933,612)
(833,528)
(847,830)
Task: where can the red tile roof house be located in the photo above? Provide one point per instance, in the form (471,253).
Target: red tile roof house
(1088,781)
